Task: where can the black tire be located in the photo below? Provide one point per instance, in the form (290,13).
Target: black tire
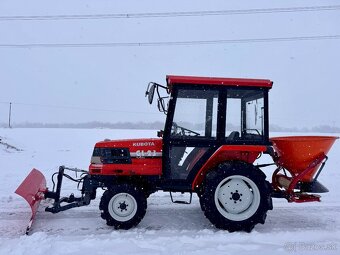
(199,194)
(222,202)
(123,206)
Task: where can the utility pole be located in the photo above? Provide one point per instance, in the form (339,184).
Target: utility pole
(9,115)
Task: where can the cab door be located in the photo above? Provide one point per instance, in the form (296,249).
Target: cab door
(191,134)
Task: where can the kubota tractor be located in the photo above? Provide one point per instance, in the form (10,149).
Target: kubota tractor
(215,129)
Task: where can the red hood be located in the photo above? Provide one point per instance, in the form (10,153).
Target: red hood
(133,144)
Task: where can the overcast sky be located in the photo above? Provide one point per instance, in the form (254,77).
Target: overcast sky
(108,83)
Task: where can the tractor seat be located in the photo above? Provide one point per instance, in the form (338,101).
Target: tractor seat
(235,135)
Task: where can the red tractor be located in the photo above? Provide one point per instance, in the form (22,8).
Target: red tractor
(215,129)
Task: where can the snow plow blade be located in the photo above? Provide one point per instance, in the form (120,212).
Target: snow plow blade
(32,189)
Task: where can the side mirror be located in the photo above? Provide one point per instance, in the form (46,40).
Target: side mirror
(150,91)
(160,105)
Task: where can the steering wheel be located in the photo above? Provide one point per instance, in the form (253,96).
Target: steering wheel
(177,130)
(252,129)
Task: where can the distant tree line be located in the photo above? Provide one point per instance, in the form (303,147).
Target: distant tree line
(315,129)
(157,125)
(92,124)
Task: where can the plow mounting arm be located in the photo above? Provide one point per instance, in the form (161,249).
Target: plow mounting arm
(88,192)
(33,190)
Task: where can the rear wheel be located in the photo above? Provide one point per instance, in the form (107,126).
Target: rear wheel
(123,206)
(236,196)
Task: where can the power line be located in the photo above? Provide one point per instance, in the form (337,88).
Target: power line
(173,14)
(171,43)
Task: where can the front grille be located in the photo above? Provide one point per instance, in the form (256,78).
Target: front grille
(113,155)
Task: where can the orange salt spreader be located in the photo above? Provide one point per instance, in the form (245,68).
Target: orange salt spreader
(299,160)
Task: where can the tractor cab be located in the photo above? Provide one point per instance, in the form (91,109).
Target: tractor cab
(234,110)
(205,113)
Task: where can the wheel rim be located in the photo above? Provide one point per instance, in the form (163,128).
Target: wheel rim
(122,207)
(237,198)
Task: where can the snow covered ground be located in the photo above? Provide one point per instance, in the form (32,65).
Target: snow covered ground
(167,228)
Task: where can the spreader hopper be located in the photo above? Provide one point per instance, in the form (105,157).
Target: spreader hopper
(303,157)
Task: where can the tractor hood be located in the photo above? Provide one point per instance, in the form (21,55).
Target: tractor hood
(134,145)
(127,157)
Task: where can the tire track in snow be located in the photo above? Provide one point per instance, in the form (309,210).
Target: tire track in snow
(163,215)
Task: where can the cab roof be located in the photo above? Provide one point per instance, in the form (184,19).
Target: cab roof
(194,80)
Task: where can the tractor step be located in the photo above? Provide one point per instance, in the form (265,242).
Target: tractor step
(181,201)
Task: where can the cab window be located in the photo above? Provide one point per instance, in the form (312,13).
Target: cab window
(195,114)
(245,115)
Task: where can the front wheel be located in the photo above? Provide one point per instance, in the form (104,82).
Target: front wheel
(123,206)
(236,196)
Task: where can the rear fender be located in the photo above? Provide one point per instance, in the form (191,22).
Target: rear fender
(245,153)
